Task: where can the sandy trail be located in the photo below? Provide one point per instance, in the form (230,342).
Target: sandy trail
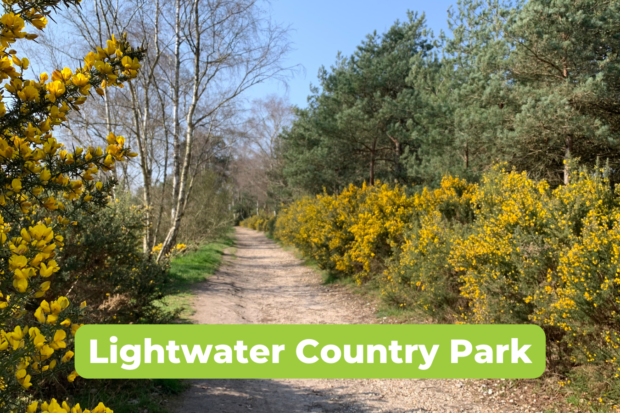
(265,284)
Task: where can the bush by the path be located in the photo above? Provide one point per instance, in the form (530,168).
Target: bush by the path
(261,222)
(506,250)
(102,262)
(65,257)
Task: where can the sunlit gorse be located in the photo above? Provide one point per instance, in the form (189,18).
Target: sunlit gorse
(507,250)
(45,188)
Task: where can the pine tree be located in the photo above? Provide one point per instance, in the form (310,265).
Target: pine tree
(357,125)
(564,72)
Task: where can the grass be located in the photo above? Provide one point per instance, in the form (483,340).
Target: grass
(130,396)
(193,267)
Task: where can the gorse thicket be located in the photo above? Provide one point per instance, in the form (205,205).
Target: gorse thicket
(45,191)
(507,250)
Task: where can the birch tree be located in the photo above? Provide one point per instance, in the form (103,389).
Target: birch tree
(202,56)
(231,46)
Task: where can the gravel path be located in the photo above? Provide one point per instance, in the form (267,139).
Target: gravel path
(267,285)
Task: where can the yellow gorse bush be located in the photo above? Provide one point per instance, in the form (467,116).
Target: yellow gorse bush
(547,256)
(377,227)
(352,233)
(44,188)
(508,249)
(260,222)
(418,276)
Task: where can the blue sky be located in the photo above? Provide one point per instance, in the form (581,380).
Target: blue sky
(322,28)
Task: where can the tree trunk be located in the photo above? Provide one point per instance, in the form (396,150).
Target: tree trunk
(182,190)
(176,144)
(165,179)
(372,163)
(567,155)
(141,138)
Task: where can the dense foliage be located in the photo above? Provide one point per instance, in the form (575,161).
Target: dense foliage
(360,114)
(528,83)
(507,250)
(102,262)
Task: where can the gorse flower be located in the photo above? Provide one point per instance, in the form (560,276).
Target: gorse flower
(54,407)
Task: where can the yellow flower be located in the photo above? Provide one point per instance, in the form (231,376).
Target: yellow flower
(39,22)
(72,377)
(32,407)
(49,269)
(58,340)
(80,80)
(129,63)
(74,328)
(68,356)
(16,185)
(55,89)
(29,94)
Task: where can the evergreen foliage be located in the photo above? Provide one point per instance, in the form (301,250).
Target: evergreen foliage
(531,84)
(360,114)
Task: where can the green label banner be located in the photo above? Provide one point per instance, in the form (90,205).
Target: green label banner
(310,351)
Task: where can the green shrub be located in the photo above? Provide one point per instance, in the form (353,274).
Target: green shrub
(103,263)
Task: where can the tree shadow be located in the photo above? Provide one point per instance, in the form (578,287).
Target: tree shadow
(276,396)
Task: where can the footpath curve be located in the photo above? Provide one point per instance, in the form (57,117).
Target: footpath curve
(263,284)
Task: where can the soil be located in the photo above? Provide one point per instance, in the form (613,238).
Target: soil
(264,284)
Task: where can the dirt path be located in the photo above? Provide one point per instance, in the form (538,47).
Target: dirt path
(267,285)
